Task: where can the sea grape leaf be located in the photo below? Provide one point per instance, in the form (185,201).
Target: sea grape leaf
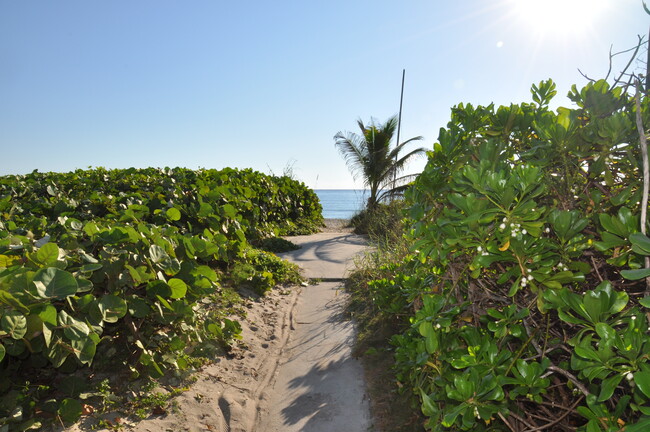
(72,386)
(70,410)
(46,255)
(59,351)
(55,283)
(173,214)
(14,324)
(178,288)
(48,314)
(110,308)
(73,328)
(157,254)
(84,285)
(7,298)
(85,348)
(138,307)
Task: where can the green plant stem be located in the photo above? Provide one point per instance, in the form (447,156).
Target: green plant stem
(520,352)
(548,322)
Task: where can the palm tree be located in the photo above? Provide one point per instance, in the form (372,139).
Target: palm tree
(370,155)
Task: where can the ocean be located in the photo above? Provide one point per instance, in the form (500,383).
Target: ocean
(341,203)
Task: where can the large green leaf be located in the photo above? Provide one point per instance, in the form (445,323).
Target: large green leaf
(635,274)
(157,254)
(178,288)
(608,386)
(46,255)
(70,410)
(72,327)
(2,351)
(84,349)
(14,323)
(640,243)
(7,298)
(54,283)
(642,381)
(173,214)
(47,313)
(110,308)
(138,307)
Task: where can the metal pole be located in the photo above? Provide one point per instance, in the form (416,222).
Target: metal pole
(399,122)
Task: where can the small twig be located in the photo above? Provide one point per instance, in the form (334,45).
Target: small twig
(543,353)
(504,420)
(632,58)
(540,352)
(571,378)
(559,419)
(593,261)
(548,324)
(646,171)
(521,420)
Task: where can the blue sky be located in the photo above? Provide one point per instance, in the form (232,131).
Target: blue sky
(266,85)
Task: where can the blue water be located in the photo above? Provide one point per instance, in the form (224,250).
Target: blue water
(341,203)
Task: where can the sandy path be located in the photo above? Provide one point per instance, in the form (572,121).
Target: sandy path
(293,370)
(319,386)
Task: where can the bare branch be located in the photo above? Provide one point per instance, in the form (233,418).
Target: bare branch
(646,170)
(571,378)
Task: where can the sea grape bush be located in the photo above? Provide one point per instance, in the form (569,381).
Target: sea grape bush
(100,266)
(525,288)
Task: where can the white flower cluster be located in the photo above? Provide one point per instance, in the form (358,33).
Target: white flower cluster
(526,278)
(562,267)
(515,228)
(480,250)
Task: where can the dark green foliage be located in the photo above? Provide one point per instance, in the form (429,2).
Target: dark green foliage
(383,223)
(261,271)
(277,245)
(104,268)
(525,285)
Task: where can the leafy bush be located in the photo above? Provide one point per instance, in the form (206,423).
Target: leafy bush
(524,292)
(126,267)
(277,245)
(261,271)
(382,223)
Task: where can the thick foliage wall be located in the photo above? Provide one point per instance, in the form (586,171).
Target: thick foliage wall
(525,287)
(100,265)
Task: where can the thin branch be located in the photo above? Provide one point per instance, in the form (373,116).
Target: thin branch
(521,420)
(646,170)
(632,58)
(571,378)
(559,419)
(504,420)
(593,261)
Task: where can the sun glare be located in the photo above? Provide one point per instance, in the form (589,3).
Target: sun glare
(559,17)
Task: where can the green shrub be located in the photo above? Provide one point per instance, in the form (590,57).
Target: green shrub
(125,268)
(525,287)
(261,271)
(277,245)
